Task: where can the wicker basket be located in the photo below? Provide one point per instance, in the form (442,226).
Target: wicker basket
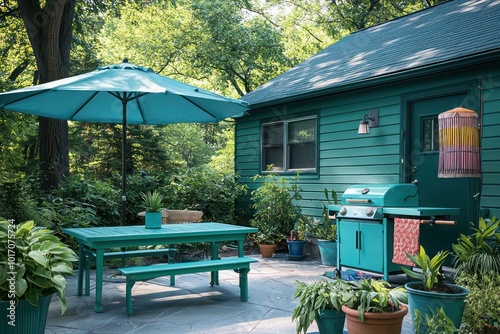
(182,216)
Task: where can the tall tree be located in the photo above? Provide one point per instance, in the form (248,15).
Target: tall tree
(49,29)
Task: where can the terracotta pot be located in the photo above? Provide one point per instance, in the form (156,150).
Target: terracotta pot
(380,323)
(267,251)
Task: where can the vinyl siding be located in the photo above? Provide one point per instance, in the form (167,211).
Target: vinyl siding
(346,158)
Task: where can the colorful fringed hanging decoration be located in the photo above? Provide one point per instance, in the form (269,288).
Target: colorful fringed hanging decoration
(459,149)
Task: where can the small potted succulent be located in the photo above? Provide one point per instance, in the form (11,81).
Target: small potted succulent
(430,289)
(375,307)
(321,301)
(33,263)
(153,203)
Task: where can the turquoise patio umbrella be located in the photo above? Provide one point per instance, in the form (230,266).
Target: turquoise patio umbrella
(123,94)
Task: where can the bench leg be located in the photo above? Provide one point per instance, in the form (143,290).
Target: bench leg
(244,283)
(172,280)
(128,295)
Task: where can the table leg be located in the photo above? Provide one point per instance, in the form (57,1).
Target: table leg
(81,264)
(241,248)
(99,268)
(214,275)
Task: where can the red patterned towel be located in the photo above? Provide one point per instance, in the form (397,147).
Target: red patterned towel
(406,232)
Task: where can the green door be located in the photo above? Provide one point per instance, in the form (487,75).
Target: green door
(423,159)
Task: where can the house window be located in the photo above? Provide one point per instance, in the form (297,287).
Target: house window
(290,145)
(430,135)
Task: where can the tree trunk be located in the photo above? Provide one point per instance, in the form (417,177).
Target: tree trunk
(50,31)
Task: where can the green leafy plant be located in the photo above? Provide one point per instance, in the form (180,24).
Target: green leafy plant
(482,314)
(302,227)
(268,235)
(153,201)
(436,322)
(478,253)
(316,296)
(273,203)
(431,268)
(328,229)
(370,295)
(35,260)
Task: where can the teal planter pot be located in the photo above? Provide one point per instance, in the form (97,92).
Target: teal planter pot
(296,247)
(25,318)
(328,252)
(330,321)
(426,302)
(153,220)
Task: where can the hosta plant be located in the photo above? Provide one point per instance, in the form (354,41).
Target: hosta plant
(33,263)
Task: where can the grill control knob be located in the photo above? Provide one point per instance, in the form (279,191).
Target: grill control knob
(343,211)
(369,212)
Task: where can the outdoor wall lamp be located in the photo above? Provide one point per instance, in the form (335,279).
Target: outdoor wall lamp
(370,120)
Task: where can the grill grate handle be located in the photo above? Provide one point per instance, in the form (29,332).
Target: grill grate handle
(355,200)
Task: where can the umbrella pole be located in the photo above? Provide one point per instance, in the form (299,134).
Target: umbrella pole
(124,169)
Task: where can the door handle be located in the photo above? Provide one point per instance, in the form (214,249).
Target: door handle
(359,239)
(357,233)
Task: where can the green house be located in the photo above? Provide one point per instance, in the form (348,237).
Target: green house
(401,74)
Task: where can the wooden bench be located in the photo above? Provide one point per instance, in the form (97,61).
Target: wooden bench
(240,265)
(124,254)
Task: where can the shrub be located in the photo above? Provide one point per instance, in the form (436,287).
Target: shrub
(482,314)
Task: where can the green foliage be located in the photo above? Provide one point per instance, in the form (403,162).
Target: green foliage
(205,190)
(16,199)
(482,313)
(431,274)
(478,253)
(438,322)
(268,235)
(273,203)
(37,261)
(153,201)
(317,296)
(370,295)
(327,230)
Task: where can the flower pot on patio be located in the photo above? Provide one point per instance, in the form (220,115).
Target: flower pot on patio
(330,321)
(267,251)
(296,249)
(426,302)
(328,252)
(380,323)
(24,318)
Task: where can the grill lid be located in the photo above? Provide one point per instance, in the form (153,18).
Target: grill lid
(393,195)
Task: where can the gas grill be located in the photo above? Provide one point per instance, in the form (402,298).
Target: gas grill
(365,223)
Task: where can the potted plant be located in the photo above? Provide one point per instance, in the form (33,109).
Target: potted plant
(431,288)
(321,301)
(153,203)
(477,263)
(375,307)
(327,232)
(267,238)
(34,262)
(296,238)
(274,208)
(478,253)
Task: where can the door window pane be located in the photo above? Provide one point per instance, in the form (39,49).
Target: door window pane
(430,135)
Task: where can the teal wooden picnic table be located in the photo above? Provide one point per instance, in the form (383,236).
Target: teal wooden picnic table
(100,239)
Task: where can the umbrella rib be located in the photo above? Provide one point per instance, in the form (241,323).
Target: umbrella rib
(23,98)
(84,104)
(197,105)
